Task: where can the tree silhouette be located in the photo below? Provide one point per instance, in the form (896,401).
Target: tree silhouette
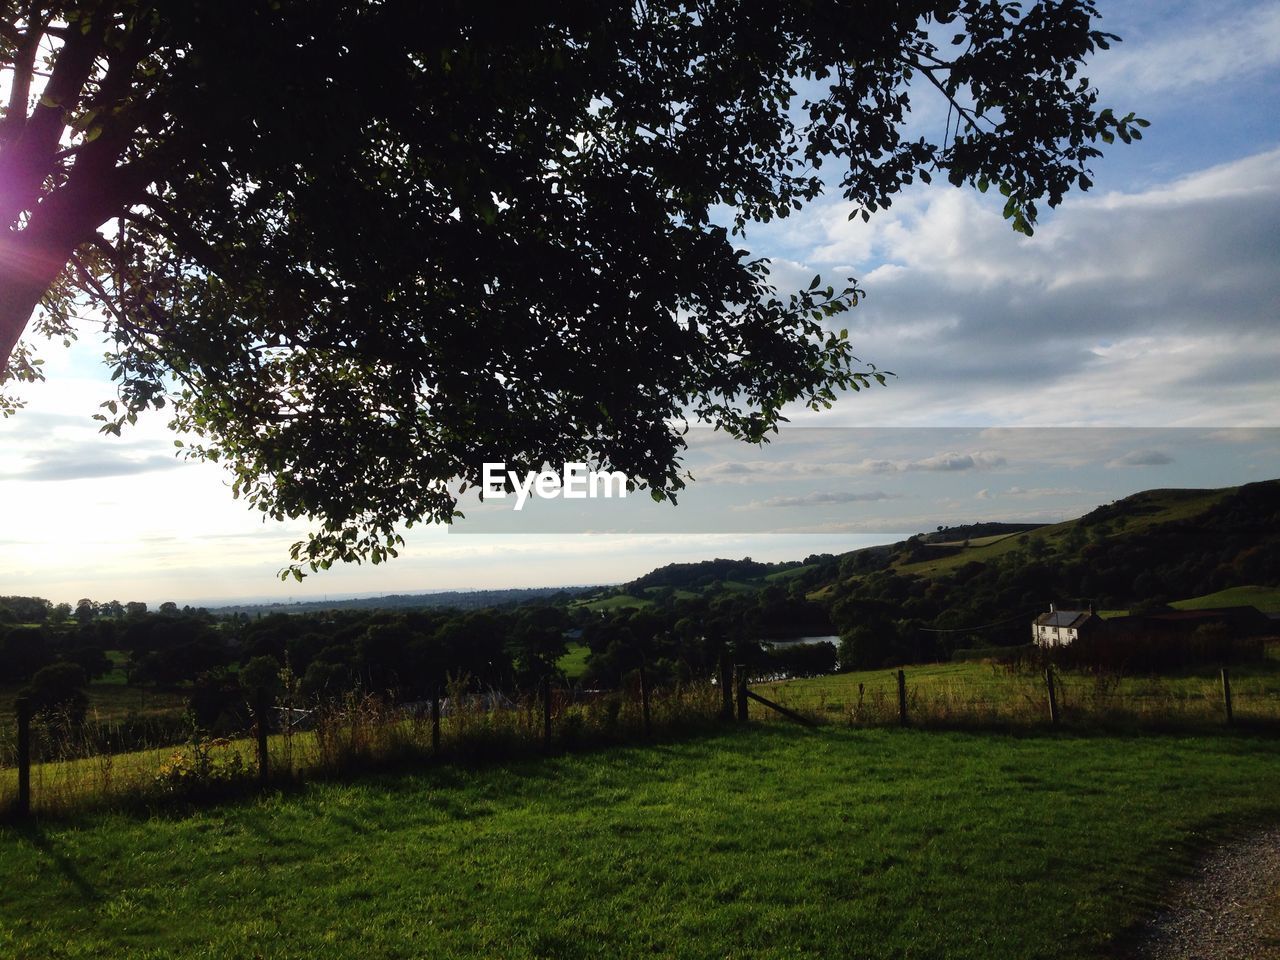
(360,249)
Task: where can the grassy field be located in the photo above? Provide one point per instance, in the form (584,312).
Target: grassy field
(1266,599)
(110,700)
(766,843)
(980,691)
(621,601)
(1160,506)
(574,663)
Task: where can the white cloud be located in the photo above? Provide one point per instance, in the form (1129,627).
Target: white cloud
(1152,307)
(818,499)
(1142,458)
(1225,44)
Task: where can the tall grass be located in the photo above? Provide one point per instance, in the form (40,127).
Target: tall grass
(355,734)
(367,732)
(993,695)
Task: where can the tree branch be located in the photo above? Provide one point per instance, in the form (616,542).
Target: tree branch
(23,69)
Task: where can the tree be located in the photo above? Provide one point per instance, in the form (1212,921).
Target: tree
(59,687)
(361,249)
(537,642)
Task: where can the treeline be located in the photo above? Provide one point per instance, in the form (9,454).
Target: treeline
(445,600)
(681,639)
(38,610)
(705,573)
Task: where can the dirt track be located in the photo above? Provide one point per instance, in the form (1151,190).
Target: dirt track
(1228,909)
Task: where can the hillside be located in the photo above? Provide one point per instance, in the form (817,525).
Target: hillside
(980,585)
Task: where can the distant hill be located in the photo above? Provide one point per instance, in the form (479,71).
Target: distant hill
(448,599)
(974,584)
(981,584)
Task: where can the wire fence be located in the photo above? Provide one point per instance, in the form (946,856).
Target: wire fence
(71,767)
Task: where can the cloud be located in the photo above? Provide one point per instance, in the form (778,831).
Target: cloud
(1190,56)
(950,462)
(54,465)
(818,499)
(1154,306)
(792,468)
(1141,458)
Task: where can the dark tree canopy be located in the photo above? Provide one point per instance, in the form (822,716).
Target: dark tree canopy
(362,247)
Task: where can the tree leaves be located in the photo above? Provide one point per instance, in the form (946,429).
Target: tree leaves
(382,244)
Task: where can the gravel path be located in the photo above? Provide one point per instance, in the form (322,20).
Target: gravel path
(1229,909)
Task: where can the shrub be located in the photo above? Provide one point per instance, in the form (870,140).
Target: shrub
(205,765)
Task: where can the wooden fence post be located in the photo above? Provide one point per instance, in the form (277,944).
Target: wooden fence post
(726,688)
(23,707)
(644,700)
(546,713)
(260,710)
(435,720)
(1226,695)
(902,699)
(742,692)
(1053,694)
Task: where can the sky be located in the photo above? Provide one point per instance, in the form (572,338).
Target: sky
(1129,344)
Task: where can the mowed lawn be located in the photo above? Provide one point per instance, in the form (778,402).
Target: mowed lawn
(766,842)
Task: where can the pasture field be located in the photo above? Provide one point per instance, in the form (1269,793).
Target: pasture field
(980,691)
(1266,599)
(758,842)
(574,662)
(111,701)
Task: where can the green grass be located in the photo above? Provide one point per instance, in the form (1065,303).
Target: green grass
(767,843)
(781,576)
(622,601)
(109,701)
(679,593)
(978,691)
(574,663)
(1266,599)
(1160,506)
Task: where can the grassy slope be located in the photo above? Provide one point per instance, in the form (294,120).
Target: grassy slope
(1266,599)
(775,842)
(574,663)
(1168,505)
(620,602)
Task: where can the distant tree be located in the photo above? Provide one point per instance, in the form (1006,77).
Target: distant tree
(28,609)
(537,641)
(864,646)
(135,609)
(325,681)
(92,660)
(60,613)
(23,651)
(169,608)
(260,676)
(86,610)
(60,688)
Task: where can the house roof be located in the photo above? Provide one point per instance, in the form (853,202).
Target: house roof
(1063,618)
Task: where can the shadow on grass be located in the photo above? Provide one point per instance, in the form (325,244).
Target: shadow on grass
(415,769)
(35,835)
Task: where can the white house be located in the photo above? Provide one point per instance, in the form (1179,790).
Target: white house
(1057,628)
